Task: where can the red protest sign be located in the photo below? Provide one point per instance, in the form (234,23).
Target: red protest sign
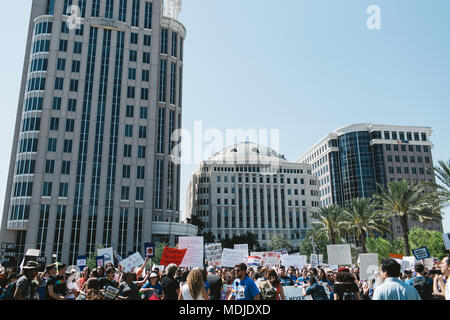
(171,255)
(396,256)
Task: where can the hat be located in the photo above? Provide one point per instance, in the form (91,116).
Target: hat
(153,275)
(30,265)
(343,269)
(211,269)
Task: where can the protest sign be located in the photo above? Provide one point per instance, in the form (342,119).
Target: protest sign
(254,261)
(8,254)
(232,257)
(296,261)
(100,261)
(339,254)
(244,249)
(428,263)
(320,259)
(159,267)
(132,262)
(194,255)
(269,259)
(408,263)
(421,253)
(368,265)
(111,293)
(149,250)
(295,293)
(171,255)
(108,255)
(213,253)
(314,259)
(396,256)
(446,237)
(81,262)
(30,253)
(42,261)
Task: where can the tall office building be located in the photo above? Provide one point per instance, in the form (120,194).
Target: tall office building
(100,97)
(252,188)
(352,161)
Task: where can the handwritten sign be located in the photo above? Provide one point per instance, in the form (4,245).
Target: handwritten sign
(150,250)
(339,254)
(108,255)
(213,253)
(194,255)
(368,265)
(171,255)
(421,253)
(232,257)
(132,262)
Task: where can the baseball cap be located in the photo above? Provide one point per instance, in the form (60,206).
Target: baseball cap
(153,275)
(343,269)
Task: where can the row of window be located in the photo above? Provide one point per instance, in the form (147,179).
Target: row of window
(394,135)
(261,180)
(395,147)
(407,170)
(412,159)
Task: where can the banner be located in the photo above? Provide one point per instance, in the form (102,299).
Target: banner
(194,255)
(132,262)
(339,254)
(213,253)
(171,255)
(149,250)
(269,259)
(421,253)
(295,293)
(396,256)
(254,261)
(296,261)
(368,265)
(108,255)
(8,254)
(232,257)
(446,237)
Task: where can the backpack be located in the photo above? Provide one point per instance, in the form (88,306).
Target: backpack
(423,288)
(268,292)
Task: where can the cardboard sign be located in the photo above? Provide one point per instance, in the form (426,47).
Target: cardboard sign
(232,257)
(81,262)
(421,253)
(111,293)
(108,255)
(134,261)
(100,261)
(40,260)
(339,254)
(269,259)
(194,255)
(320,259)
(446,237)
(368,265)
(8,254)
(295,293)
(171,255)
(213,253)
(295,261)
(149,250)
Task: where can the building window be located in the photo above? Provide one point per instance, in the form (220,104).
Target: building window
(63,190)
(135,13)
(126,172)
(65,167)
(147,40)
(139,193)
(134,38)
(130,111)
(141,152)
(164,39)
(47,189)
(61,64)
(143,113)
(49,166)
(77,47)
(72,105)
(148,15)
(59,83)
(133,55)
(68,146)
(125,193)
(127,151)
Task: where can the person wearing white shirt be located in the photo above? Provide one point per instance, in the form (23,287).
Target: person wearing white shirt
(440,288)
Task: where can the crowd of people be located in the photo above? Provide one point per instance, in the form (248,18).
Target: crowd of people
(212,283)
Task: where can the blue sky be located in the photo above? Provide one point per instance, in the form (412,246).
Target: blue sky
(306,67)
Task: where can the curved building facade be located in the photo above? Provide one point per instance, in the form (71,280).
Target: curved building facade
(252,188)
(100,97)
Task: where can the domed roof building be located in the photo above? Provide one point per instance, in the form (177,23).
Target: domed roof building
(250,188)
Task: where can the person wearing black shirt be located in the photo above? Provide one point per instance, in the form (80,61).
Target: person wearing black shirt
(345,287)
(171,287)
(50,293)
(215,283)
(108,280)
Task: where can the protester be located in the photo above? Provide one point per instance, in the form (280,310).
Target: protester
(284,279)
(244,288)
(10,287)
(303,279)
(194,289)
(108,280)
(25,288)
(152,289)
(345,287)
(441,288)
(128,290)
(393,288)
(315,290)
(275,282)
(50,288)
(422,283)
(215,283)
(171,287)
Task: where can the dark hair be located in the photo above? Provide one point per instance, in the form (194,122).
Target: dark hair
(312,280)
(273,274)
(391,267)
(92,283)
(13,275)
(419,268)
(241,266)
(110,270)
(282,267)
(344,276)
(49,267)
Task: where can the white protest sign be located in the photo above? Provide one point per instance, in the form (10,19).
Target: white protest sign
(408,263)
(194,254)
(244,249)
(132,262)
(428,263)
(320,259)
(446,237)
(213,253)
(368,265)
(32,253)
(107,253)
(339,254)
(314,260)
(111,293)
(295,293)
(231,257)
(269,259)
(292,261)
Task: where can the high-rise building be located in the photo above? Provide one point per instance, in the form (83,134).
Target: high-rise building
(249,188)
(100,96)
(354,160)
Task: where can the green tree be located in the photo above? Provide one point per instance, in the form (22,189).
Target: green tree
(209,237)
(419,238)
(320,244)
(278,242)
(159,249)
(91,261)
(442,174)
(408,201)
(363,219)
(330,222)
(384,247)
(248,237)
(196,221)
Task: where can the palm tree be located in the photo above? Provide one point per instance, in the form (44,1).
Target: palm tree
(443,175)
(329,222)
(408,201)
(363,219)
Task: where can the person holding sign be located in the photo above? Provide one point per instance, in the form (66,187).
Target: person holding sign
(24,287)
(107,281)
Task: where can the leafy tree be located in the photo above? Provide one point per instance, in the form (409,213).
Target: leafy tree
(320,244)
(408,201)
(419,237)
(330,222)
(91,261)
(442,173)
(248,237)
(209,237)
(384,247)
(196,221)
(278,242)
(159,249)
(363,219)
